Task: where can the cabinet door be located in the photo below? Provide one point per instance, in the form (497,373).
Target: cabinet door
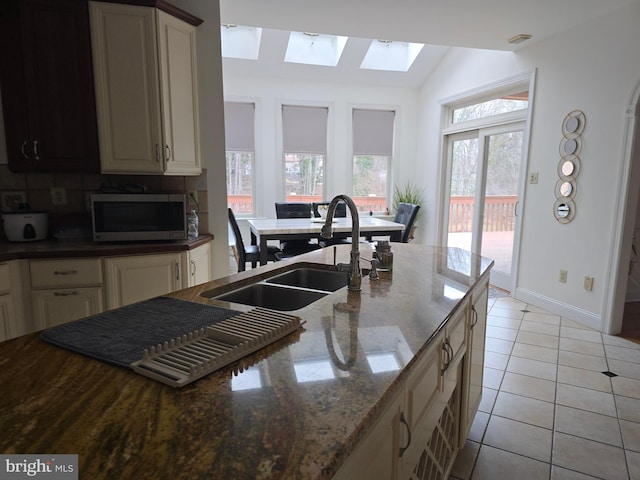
(54,307)
(7,318)
(199,265)
(123,40)
(135,278)
(474,366)
(178,69)
(47,86)
(376,457)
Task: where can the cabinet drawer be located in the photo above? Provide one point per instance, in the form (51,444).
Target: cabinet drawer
(65,273)
(423,383)
(5,280)
(456,333)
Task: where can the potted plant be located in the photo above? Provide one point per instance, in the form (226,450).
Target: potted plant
(409,193)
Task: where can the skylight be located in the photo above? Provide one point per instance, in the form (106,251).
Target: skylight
(314,49)
(240,42)
(391,56)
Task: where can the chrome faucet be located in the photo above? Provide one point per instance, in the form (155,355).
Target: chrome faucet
(354,274)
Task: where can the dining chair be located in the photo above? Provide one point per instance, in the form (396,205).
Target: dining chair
(406,214)
(250,253)
(341,212)
(291,248)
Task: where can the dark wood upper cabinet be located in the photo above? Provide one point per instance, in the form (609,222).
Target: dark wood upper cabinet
(46,79)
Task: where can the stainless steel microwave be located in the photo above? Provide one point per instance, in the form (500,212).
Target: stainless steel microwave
(135,217)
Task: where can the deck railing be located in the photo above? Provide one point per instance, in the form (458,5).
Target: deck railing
(499,210)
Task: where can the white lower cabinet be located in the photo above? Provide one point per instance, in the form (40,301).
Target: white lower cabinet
(7,318)
(135,278)
(64,290)
(420,433)
(199,265)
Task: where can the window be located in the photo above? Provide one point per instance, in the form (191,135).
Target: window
(239,138)
(304,132)
(506,104)
(372,152)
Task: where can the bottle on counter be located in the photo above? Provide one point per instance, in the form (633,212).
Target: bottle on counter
(192,225)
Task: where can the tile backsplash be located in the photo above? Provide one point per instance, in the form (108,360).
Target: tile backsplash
(36,188)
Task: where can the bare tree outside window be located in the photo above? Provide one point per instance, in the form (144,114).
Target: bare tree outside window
(370,175)
(240,182)
(304,176)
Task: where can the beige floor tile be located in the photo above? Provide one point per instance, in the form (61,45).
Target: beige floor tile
(465,461)
(496,360)
(478,426)
(492,378)
(591,426)
(509,303)
(527,386)
(535,352)
(497,345)
(539,339)
(488,400)
(628,408)
(497,311)
(536,327)
(502,333)
(580,346)
(622,353)
(589,362)
(534,309)
(494,464)
(538,317)
(518,437)
(631,435)
(503,322)
(625,369)
(533,368)
(633,463)
(592,458)
(628,387)
(524,409)
(585,399)
(584,378)
(559,473)
(580,334)
(619,341)
(565,322)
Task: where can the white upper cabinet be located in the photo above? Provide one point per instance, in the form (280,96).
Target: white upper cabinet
(146,90)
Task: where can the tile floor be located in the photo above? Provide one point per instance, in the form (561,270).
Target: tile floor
(548,411)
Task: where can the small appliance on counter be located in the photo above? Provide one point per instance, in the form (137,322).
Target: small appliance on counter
(25,226)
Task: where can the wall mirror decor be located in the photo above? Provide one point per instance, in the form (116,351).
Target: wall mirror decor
(564,208)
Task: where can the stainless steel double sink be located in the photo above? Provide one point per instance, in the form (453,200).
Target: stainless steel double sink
(291,290)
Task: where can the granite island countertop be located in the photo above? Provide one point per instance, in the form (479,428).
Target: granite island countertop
(293,410)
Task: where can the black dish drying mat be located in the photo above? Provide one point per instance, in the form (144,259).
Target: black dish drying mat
(120,336)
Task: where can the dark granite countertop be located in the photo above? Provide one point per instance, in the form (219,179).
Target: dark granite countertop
(293,410)
(88,248)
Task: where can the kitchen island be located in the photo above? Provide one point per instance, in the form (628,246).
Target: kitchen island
(300,408)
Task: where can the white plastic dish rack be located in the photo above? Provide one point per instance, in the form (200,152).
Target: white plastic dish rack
(185,359)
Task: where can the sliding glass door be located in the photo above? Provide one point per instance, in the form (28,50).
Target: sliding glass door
(484,168)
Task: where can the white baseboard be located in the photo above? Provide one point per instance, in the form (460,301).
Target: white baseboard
(588,319)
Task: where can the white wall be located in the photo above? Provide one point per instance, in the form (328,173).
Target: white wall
(269,94)
(594,68)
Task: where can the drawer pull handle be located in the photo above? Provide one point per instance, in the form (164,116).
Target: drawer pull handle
(168,152)
(24,153)
(65,272)
(193,270)
(447,358)
(65,294)
(475,316)
(404,422)
(35,150)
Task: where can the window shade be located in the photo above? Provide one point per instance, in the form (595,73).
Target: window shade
(239,126)
(304,129)
(373,132)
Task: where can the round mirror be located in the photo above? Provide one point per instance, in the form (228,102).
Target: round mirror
(565,189)
(567,168)
(572,124)
(563,210)
(570,146)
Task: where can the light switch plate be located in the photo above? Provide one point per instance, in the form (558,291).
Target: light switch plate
(59,195)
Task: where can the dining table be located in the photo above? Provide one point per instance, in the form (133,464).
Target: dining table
(265,229)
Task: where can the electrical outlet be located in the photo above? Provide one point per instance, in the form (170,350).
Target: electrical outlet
(588,283)
(192,198)
(533,177)
(563,276)
(59,195)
